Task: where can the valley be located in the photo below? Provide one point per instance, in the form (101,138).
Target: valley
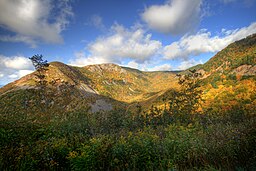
(109,117)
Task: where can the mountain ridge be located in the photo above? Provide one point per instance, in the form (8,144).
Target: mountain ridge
(90,86)
(241,52)
(120,86)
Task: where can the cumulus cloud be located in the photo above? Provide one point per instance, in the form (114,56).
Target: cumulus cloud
(17,62)
(12,68)
(136,49)
(204,42)
(33,20)
(163,67)
(188,63)
(120,44)
(175,17)
(133,64)
(81,59)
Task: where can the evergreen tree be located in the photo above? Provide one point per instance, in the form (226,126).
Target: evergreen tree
(40,66)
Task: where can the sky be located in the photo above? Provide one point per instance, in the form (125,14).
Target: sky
(150,35)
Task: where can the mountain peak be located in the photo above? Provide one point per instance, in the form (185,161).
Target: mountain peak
(105,67)
(57,63)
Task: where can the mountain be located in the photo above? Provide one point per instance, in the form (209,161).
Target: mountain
(229,78)
(120,83)
(238,58)
(109,86)
(95,87)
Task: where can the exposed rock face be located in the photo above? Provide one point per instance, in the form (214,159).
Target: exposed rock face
(245,70)
(105,67)
(87,88)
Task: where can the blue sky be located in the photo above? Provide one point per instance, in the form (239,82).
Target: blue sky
(144,34)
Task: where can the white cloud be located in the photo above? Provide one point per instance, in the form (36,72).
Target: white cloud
(188,63)
(149,66)
(17,62)
(81,59)
(133,64)
(19,38)
(13,76)
(175,17)
(140,66)
(15,67)
(203,42)
(34,20)
(120,44)
(136,49)
(22,73)
(164,67)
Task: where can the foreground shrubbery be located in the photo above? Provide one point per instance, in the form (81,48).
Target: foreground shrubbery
(83,144)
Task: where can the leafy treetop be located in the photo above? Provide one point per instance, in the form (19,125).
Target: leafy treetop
(39,63)
(40,66)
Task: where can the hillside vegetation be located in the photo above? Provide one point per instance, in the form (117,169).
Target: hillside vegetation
(107,117)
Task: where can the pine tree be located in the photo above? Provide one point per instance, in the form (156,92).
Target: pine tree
(40,66)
